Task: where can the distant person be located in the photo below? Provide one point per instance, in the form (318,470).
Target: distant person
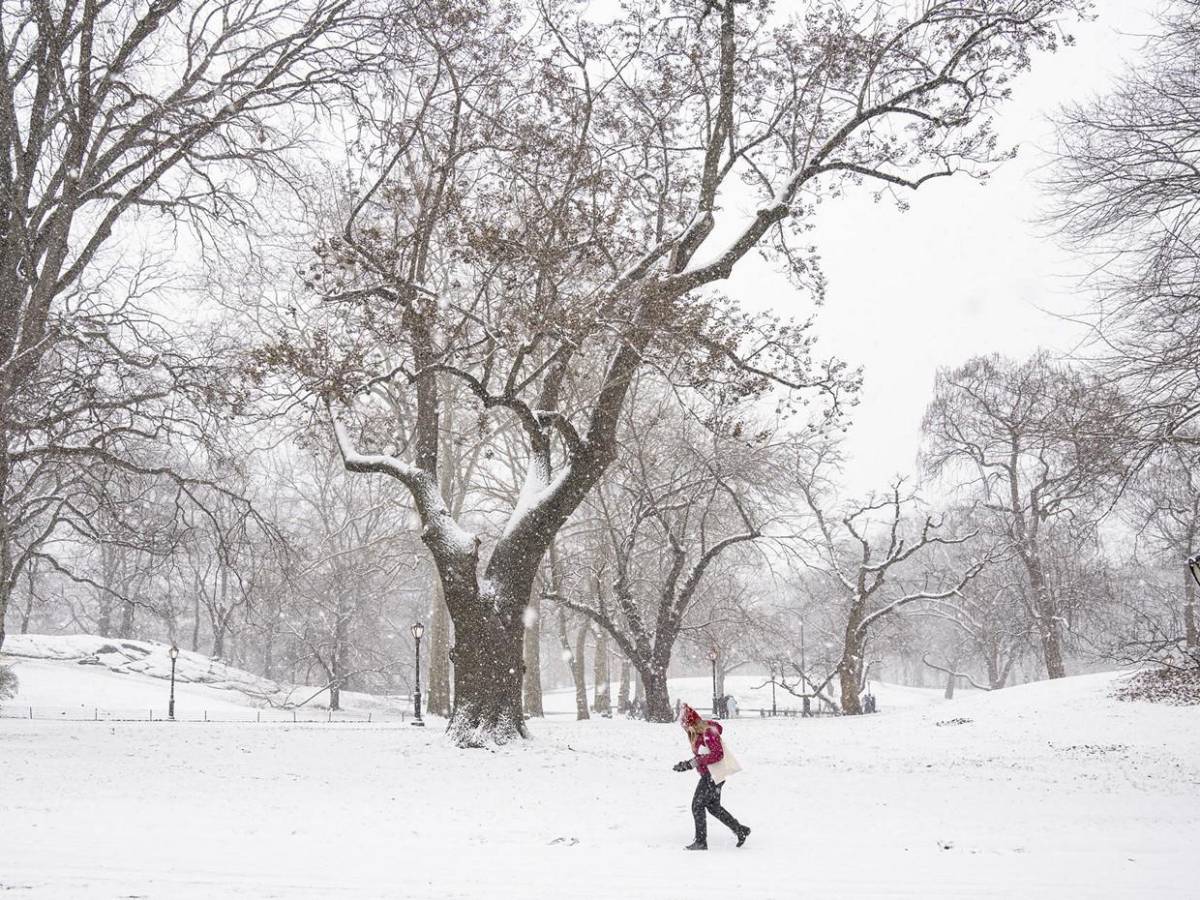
(714,765)
(731,707)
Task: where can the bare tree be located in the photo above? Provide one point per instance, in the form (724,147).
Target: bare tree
(988,626)
(875,560)
(991,625)
(110,111)
(535,222)
(1036,441)
(685,498)
(222,556)
(1127,190)
(1164,506)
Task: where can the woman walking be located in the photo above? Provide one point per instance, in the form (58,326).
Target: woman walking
(707,751)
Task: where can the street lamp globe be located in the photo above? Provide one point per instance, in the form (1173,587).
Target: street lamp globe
(417,630)
(712,654)
(173,653)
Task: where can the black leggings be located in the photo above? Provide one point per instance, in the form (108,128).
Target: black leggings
(708,797)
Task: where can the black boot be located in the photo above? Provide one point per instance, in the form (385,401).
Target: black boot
(742,834)
(696,845)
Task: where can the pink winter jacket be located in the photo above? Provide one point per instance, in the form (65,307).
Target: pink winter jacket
(711,739)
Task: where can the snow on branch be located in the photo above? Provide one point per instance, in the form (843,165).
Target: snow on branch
(374,463)
(441,533)
(955,591)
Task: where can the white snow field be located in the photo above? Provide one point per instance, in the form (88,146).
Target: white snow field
(1046,790)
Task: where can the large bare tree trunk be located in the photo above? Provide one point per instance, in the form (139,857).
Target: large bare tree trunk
(532,688)
(488,670)
(601,702)
(623,693)
(438,701)
(5,592)
(1191,637)
(850,668)
(488,652)
(339,655)
(658,699)
(574,658)
(104,598)
(6,549)
(851,688)
(441,629)
(579,672)
(1048,621)
(951,680)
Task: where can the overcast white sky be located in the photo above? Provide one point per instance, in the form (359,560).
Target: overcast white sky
(965,271)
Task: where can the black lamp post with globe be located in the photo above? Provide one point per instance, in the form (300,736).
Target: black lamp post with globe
(174,654)
(417,631)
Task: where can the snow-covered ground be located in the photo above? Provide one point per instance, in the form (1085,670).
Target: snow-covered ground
(1046,790)
(88,677)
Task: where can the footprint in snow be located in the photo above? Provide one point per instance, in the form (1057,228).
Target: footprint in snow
(565,842)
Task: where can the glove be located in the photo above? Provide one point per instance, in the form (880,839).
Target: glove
(683,766)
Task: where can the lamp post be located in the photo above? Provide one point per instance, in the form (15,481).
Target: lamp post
(417,630)
(806,703)
(174,654)
(773,712)
(712,655)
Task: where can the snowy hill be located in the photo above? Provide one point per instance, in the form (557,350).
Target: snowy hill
(84,676)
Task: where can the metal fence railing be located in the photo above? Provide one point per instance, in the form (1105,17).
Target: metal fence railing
(791,713)
(310,716)
(146,714)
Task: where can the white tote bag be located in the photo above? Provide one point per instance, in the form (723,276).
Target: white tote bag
(724,767)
